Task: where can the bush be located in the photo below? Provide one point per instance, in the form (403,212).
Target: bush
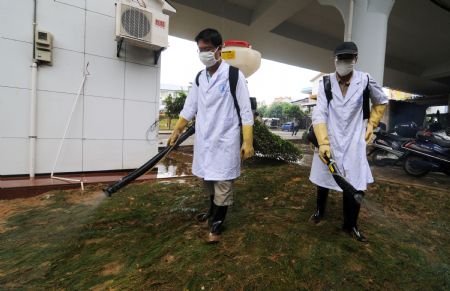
(305,137)
(271,146)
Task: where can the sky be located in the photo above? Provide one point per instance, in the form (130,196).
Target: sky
(180,65)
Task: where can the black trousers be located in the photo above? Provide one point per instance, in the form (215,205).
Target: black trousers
(349,205)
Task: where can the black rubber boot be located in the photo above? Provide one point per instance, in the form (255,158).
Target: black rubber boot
(322,194)
(346,210)
(354,232)
(351,213)
(216,224)
(202,217)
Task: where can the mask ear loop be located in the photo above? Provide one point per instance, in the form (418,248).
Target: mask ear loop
(220,55)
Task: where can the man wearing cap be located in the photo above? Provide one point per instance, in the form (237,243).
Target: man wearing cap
(342,132)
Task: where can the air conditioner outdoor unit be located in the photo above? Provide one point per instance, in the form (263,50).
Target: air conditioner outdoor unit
(142,27)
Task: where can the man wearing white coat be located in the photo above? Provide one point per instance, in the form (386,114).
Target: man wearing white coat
(217,147)
(342,133)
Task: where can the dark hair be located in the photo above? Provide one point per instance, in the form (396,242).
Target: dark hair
(209,35)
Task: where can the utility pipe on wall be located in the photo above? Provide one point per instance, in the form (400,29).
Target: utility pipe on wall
(33,104)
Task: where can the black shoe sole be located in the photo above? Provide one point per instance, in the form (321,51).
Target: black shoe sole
(201,217)
(350,232)
(316,220)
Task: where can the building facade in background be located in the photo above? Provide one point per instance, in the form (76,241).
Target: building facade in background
(117,105)
(282,99)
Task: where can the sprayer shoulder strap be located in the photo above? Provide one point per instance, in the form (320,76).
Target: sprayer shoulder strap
(327,88)
(366,95)
(366,101)
(197,82)
(233,76)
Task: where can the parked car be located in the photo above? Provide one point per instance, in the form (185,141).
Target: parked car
(271,122)
(286,126)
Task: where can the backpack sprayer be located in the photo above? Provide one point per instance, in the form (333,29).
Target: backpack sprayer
(238,54)
(340,179)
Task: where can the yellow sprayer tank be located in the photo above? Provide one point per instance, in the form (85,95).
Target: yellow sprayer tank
(240,54)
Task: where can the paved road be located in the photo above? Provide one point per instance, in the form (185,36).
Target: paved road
(288,135)
(394,174)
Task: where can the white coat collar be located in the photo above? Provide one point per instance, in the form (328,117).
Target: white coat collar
(223,67)
(354,85)
(352,89)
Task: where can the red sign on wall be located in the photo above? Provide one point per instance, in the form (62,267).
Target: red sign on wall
(160,23)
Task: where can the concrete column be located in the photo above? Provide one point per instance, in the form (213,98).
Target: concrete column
(368,20)
(369,30)
(343,6)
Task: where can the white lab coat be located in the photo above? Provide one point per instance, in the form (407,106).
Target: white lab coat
(217,132)
(346,131)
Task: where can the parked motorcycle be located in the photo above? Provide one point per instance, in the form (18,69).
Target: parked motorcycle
(430,151)
(387,146)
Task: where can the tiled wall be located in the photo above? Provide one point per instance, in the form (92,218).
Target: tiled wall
(117,106)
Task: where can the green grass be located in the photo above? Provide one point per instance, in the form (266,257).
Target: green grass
(163,123)
(145,238)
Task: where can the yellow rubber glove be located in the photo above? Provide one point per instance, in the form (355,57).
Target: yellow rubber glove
(247,150)
(179,127)
(321,132)
(376,114)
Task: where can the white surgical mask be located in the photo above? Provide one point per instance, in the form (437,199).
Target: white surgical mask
(208,58)
(344,67)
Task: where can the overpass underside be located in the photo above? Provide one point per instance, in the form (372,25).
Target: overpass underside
(304,32)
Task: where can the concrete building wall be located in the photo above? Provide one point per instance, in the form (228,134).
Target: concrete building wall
(119,101)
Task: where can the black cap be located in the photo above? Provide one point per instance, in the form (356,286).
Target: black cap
(346,48)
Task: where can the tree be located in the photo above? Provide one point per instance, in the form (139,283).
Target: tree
(168,101)
(275,110)
(178,102)
(174,105)
(286,111)
(294,111)
(263,110)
